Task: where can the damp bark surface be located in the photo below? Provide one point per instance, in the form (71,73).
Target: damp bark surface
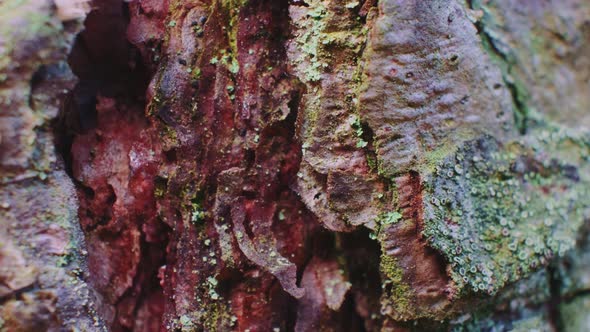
(303,165)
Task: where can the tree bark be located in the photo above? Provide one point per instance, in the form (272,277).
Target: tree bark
(304,165)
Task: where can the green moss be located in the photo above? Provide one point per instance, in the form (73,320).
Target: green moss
(396,292)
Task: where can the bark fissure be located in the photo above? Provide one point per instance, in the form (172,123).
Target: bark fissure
(104,139)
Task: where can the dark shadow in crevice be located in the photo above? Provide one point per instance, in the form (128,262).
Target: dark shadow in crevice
(362,256)
(108,65)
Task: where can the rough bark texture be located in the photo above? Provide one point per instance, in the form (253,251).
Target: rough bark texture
(43,274)
(304,165)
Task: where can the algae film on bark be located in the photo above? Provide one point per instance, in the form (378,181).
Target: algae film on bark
(294,165)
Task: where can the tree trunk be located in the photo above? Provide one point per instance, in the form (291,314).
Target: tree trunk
(303,165)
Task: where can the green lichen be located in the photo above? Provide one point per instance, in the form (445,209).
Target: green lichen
(194,207)
(232,9)
(197,213)
(318,30)
(487,321)
(310,43)
(315,41)
(186,322)
(234,66)
(388,218)
(70,254)
(357,126)
(212,284)
(214,313)
(212,316)
(498,212)
(228,60)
